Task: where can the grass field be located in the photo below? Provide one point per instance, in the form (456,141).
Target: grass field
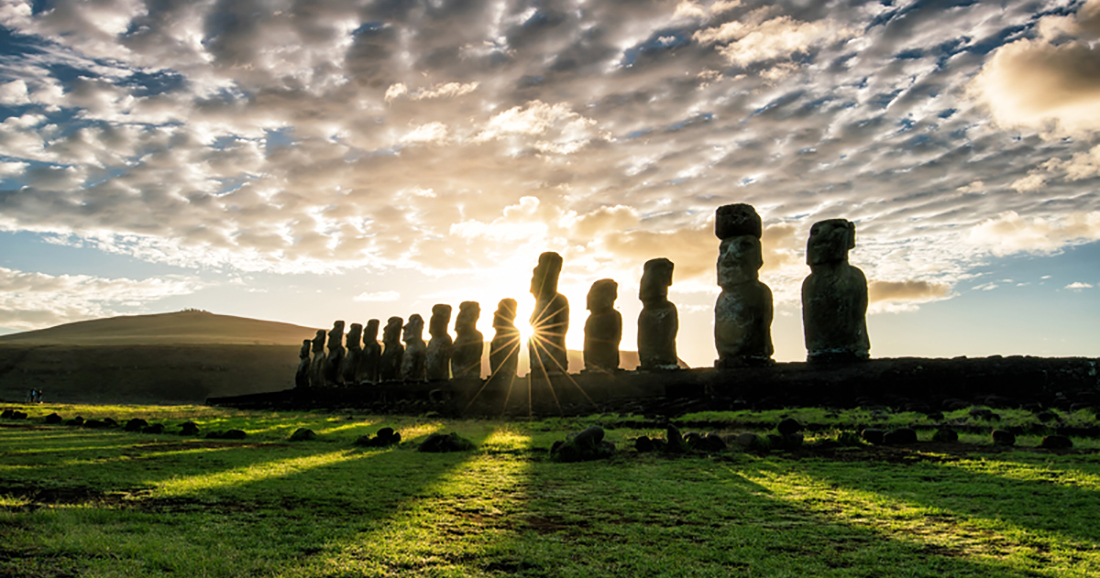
(80,502)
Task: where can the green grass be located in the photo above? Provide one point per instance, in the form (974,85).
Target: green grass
(78,502)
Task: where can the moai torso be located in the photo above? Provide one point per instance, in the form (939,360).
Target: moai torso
(743,312)
(504,349)
(389,367)
(834,296)
(301,377)
(550,319)
(658,322)
(353,356)
(604,328)
(440,347)
(372,353)
(317,366)
(413,365)
(335,353)
(469,342)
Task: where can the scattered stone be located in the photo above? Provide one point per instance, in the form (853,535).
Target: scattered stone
(674,442)
(234,434)
(644,445)
(712,443)
(136,425)
(1056,442)
(792,441)
(18,415)
(302,435)
(438,443)
(95,424)
(945,435)
(75,422)
(54,419)
(584,446)
(849,439)
(900,436)
(214,435)
(1003,438)
(789,426)
(873,435)
(110,422)
(986,414)
(156,428)
(189,428)
(1047,416)
(692,439)
(750,441)
(385,437)
(6,414)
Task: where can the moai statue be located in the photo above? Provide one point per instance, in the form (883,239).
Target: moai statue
(658,321)
(604,329)
(743,313)
(550,320)
(317,367)
(372,353)
(389,366)
(469,342)
(335,353)
(440,346)
(301,377)
(504,349)
(834,296)
(353,357)
(413,365)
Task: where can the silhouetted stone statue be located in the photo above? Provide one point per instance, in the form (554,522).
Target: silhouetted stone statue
(743,313)
(658,321)
(301,377)
(550,320)
(372,353)
(440,346)
(504,349)
(389,367)
(834,296)
(469,342)
(335,352)
(604,328)
(353,356)
(317,367)
(413,365)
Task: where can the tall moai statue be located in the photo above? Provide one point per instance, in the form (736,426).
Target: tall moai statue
(604,328)
(504,349)
(440,347)
(389,366)
(372,353)
(469,342)
(834,296)
(550,320)
(301,377)
(658,321)
(317,367)
(743,313)
(353,356)
(414,364)
(335,353)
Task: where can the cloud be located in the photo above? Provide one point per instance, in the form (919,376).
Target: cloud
(433,132)
(1010,233)
(377,297)
(1077,286)
(745,42)
(896,296)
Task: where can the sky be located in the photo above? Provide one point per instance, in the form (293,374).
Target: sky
(306,161)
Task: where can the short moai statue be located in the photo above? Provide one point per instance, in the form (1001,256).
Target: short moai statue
(414,363)
(658,322)
(550,320)
(469,342)
(743,313)
(504,349)
(389,366)
(834,296)
(441,345)
(372,353)
(301,377)
(604,328)
(336,353)
(353,356)
(317,366)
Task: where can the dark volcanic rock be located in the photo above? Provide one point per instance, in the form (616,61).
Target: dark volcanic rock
(234,434)
(302,435)
(1056,442)
(385,437)
(6,414)
(156,428)
(789,426)
(54,419)
(945,435)
(18,415)
(95,424)
(1003,438)
(1047,416)
(644,445)
(873,435)
(900,436)
(189,428)
(439,443)
(110,422)
(584,446)
(136,424)
(76,421)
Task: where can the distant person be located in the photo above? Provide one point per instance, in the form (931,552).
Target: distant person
(38,396)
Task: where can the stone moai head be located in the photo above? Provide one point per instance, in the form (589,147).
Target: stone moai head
(505,315)
(656,278)
(336,334)
(602,296)
(319,341)
(355,335)
(370,332)
(414,329)
(544,277)
(441,318)
(739,260)
(307,344)
(830,242)
(392,332)
(468,313)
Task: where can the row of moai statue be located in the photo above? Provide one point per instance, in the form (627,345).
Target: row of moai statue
(834,308)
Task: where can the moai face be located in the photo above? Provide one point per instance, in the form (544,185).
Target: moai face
(336,334)
(602,296)
(468,314)
(414,329)
(392,332)
(505,315)
(319,341)
(739,260)
(441,318)
(544,277)
(656,278)
(307,344)
(355,333)
(370,333)
(830,241)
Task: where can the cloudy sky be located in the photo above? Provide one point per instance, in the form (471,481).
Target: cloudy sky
(304,161)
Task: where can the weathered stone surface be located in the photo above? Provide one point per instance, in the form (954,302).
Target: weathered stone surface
(550,319)
(945,435)
(1056,442)
(643,444)
(900,436)
(469,342)
(136,424)
(301,376)
(413,364)
(302,435)
(95,424)
(1047,416)
(603,331)
(737,220)
(385,437)
(1003,438)
(75,422)
(336,353)
(372,353)
(658,322)
(353,355)
(157,428)
(53,419)
(234,434)
(584,446)
(504,349)
(873,435)
(440,443)
(834,296)
(389,367)
(317,366)
(789,426)
(440,346)
(743,313)
(189,428)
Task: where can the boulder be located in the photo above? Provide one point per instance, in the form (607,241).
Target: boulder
(234,434)
(385,437)
(136,425)
(1003,438)
(302,435)
(789,426)
(95,424)
(945,435)
(75,422)
(439,443)
(900,436)
(189,428)
(873,435)
(1047,416)
(1056,442)
(54,419)
(584,446)
(156,428)
(644,445)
